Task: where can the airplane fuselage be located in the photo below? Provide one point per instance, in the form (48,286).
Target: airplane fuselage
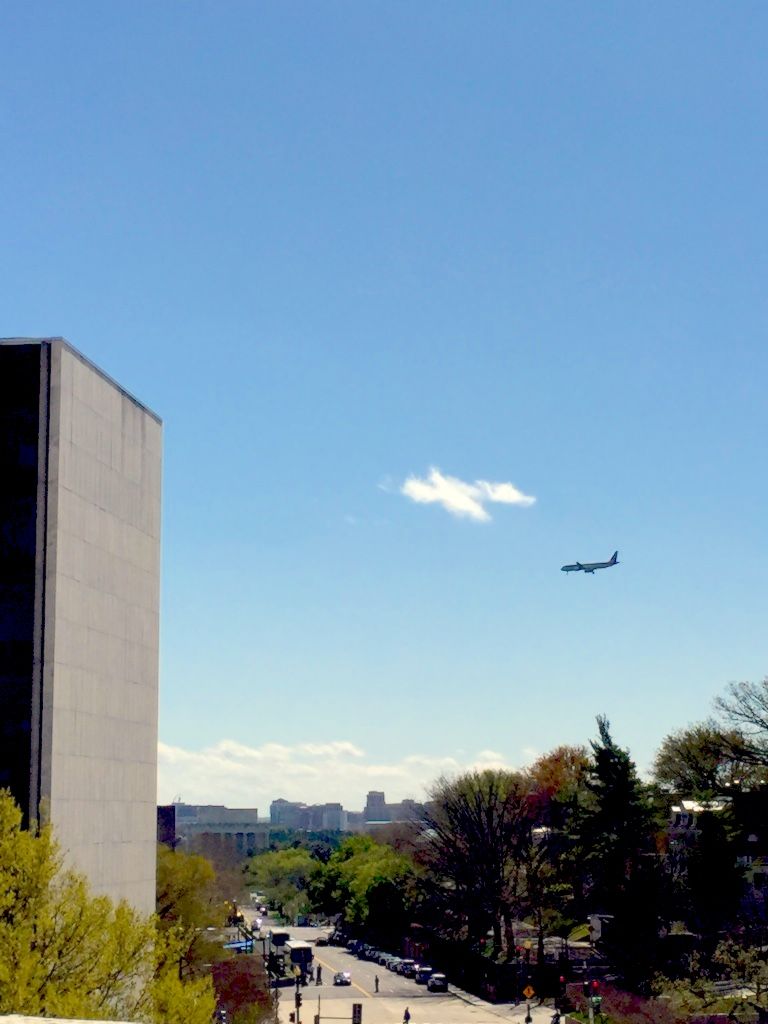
(591,566)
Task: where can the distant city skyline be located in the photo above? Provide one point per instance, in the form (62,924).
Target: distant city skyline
(236,775)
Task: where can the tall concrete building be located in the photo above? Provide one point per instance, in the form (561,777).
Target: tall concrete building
(80,463)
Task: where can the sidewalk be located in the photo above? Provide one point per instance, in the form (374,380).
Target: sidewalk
(507,1011)
(456,1008)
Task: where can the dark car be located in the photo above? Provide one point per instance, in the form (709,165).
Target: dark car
(342,978)
(437,983)
(321,940)
(423,974)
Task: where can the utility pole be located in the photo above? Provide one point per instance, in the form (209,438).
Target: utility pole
(298,999)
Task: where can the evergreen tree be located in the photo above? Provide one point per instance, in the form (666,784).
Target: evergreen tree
(615,825)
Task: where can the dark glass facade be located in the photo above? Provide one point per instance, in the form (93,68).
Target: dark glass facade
(19,427)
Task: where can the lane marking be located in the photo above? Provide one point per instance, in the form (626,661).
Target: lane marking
(330,968)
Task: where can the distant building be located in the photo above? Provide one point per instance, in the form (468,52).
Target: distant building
(378,810)
(236,829)
(80,463)
(334,818)
(287,814)
(376,807)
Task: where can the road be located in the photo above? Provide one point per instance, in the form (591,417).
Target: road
(334,1003)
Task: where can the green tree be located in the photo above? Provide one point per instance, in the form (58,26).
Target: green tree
(372,883)
(746,964)
(188,903)
(283,876)
(615,825)
(67,953)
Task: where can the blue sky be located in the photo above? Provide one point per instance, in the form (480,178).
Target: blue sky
(335,245)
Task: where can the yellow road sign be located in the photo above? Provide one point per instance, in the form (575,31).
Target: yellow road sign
(528,992)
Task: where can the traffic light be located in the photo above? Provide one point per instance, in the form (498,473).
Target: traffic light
(561,985)
(357,1013)
(585,988)
(597,999)
(298,1000)
(292,1017)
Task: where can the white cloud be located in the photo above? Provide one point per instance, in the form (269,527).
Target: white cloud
(237,775)
(461,498)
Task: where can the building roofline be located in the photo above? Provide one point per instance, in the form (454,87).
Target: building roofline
(64,344)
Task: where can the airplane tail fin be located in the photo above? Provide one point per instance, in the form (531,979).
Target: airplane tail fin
(615,558)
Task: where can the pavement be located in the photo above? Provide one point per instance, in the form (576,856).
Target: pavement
(395,994)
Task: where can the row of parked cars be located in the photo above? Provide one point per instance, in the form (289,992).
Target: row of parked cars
(422,974)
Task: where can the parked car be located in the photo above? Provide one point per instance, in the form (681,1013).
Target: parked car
(405,967)
(423,974)
(321,940)
(342,978)
(391,964)
(384,958)
(437,983)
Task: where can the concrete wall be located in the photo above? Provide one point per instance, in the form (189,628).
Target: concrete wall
(100,663)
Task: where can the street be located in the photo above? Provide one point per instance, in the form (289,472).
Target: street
(334,1003)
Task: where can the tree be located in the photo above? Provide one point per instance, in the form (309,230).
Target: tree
(704,760)
(713,882)
(559,781)
(188,903)
(559,790)
(185,889)
(746,708)
(615,824)
(471,842)
(372,884)
(67,953)
(745,964)
(283,876)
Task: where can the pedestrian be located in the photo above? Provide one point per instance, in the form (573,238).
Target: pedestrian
(319,975)
(376,983)
(406,1016)
(311,972)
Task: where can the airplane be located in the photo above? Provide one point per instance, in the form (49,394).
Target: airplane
(591,566)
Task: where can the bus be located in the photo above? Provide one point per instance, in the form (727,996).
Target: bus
(277,941)
(298,954)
